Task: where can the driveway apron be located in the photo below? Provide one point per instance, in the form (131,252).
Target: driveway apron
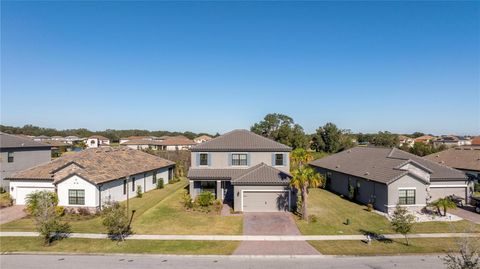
(272,224)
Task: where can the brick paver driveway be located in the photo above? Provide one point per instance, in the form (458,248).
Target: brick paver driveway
(466,212)
(272,224)
(11,213)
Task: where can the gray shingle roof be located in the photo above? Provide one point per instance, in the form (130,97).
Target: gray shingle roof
(381,164)
(260,174)
(467,158)
(13,141)
(241,140)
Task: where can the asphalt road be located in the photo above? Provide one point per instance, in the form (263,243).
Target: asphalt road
(230,262)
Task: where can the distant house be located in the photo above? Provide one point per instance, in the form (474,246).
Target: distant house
(177,143)
(405,140)
(96,141)
(143,144)
(71,139)
(426,139)
(475,141)
(466,159)
(386,177)
(452,141)
(58,147)
(202,139)
(93,177)
(19,153)
(137,137)
(41,138)
(57,138)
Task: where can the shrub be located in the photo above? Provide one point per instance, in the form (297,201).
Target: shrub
(217,205)
(205,199)
(369,207)
(5,200)
(83,211)
(160,183)
(2,190)
(313,218)
(139,191)
(187,200)
(32,200)
(115,219)
(60,211)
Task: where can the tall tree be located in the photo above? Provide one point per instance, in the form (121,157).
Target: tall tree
(305,177)
(385,139)
(331,139)
(281,128)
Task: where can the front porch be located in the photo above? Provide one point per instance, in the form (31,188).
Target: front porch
(222,189)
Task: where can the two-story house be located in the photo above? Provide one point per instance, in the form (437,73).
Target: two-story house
(245,170)
(18,153)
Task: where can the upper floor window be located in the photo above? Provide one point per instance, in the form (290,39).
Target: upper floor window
(279,159)
(406,197)
(239,159)
(203,159)
(10,157)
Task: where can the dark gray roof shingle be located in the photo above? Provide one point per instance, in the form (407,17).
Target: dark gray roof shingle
(242,140)
(381,164)
(13,141)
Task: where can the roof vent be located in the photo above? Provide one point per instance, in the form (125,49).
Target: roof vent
(337,166)
(367,173)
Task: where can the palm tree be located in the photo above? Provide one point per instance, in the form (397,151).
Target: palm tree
(305,177)
(300,157)
(446,203)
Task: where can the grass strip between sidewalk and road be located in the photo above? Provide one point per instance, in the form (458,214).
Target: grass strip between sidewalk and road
(78,245)
(387,247)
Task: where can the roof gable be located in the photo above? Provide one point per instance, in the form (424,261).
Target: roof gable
(242,140)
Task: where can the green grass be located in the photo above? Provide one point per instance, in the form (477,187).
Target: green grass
(332,212)
(394,247)
(93,224)
(170,217)
(80,245)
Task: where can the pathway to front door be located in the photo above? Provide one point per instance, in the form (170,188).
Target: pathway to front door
(272,224)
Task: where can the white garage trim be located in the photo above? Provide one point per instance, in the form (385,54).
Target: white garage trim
(289,196)
(24,189)
(448,186)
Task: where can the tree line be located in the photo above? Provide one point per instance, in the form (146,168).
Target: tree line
(113,135)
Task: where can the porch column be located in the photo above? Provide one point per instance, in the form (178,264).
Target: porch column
(219,190)
(191,189)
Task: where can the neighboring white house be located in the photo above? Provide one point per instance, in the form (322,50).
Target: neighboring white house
(96,141)
(202,139)
(143,144)
(93,177)
(177,143)
(405,140)
(131,138)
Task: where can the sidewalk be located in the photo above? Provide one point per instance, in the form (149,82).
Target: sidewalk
(249,237)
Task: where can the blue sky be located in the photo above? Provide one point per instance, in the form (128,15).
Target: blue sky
(217,66)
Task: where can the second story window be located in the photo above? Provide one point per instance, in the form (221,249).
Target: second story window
(239,159)
(279,159)
(203,159)
(10,157)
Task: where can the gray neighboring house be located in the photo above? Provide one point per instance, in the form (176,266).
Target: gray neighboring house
(19,153)
(386,177)
(245,170)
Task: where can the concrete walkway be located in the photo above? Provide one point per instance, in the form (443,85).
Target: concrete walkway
(248,237)
(12,213)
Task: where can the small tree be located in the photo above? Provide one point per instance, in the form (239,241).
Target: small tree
(160,183)
(139,191)
(467,256)
(444,204)
(43,206)
(115,219)
(303,178)
(402,221)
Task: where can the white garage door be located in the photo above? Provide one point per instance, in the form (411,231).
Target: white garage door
(22,192)
(437,193)
(265,201)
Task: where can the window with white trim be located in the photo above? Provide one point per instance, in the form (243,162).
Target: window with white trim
(76,197)
(406,196)
(279,159)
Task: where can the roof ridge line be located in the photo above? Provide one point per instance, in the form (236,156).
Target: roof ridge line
(252,169)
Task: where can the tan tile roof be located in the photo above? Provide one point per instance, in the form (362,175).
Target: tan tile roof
(203,137)
(142,142)
(424,138)
(476,141)
(466,158)
(99,137)
(97,165)
(241,140)
(381,164)
(177,140)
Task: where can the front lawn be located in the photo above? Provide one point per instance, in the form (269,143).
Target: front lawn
(394,247)
(93,224)
(332,212)
(80,245)
(170,217)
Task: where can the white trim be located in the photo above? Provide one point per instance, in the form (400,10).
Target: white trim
(390,206)
(448,186)
(289,196)
(407,188)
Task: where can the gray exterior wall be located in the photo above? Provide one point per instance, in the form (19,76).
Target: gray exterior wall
(237,194)
(221,160)
(407,181)
(23,158)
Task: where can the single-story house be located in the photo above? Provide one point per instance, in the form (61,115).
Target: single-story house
(202,138)
(385,177)
(143,144)
(92,177)
(466,159)
(177,143)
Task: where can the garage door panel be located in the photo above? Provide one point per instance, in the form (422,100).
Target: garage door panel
(437,193)
(22,192)
(263,201)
